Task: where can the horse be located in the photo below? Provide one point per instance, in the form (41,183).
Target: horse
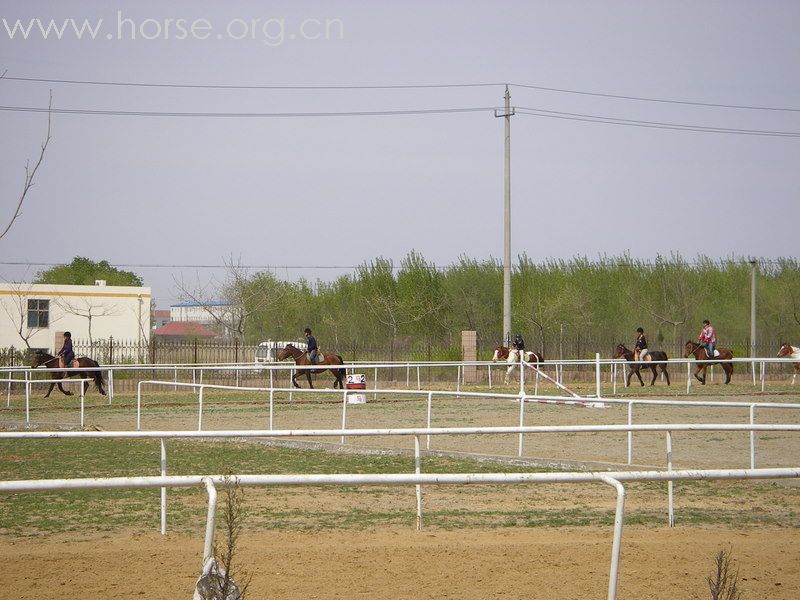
(301,359)
(789,351)
(699,352)
(634,367)
(51,362)
(511,356)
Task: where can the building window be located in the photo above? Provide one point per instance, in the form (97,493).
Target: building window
(39,313)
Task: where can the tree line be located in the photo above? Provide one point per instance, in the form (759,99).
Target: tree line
(570,308)
(562,307)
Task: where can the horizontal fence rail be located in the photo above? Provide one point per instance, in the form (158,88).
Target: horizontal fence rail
(613,479)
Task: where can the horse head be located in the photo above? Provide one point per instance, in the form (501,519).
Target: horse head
(620,351)
(40,359)
(500,353)
(690,348)
(287,351)
(786,350)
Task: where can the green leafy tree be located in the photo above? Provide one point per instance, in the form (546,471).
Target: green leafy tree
(82,271)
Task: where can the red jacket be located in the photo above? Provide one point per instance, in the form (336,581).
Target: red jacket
(708,334)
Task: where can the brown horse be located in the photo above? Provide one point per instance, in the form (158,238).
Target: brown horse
(696,350)
(789,351)
(301,359)
(42,359)
(634,367)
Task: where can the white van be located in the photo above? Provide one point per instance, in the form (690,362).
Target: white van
(268,351)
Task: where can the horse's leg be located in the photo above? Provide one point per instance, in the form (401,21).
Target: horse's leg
(639,375)
(630,374)
(98,382)
(508,374)
(308,375)
(728,372)
(666,373)
(655,374)
(697,370)
(294,381)
(50,389)
(63,391)
(794,373)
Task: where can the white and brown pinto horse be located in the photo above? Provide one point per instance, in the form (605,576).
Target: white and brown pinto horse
(789,351)
(511,356)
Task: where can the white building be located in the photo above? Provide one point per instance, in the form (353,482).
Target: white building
(42,312)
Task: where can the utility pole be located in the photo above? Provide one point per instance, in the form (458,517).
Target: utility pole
(754,270)
(507,221)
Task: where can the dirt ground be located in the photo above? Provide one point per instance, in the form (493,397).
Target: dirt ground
(544,563)
(468,563)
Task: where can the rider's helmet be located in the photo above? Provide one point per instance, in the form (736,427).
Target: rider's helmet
(307,330)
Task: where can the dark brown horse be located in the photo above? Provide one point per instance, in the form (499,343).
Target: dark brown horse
(301,359)
(42,359)
(699,352)
(789,351)
(634,367)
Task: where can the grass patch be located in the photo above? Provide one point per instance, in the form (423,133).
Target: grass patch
(735,504)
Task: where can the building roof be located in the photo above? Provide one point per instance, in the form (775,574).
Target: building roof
(184,329)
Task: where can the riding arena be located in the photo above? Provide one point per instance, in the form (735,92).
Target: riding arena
(506,476)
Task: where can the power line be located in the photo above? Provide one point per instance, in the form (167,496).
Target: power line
(536,112)
(425,111)
(397,87)
(138,113)
(661,100)
(253,87)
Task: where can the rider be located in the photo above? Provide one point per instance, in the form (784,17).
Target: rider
(313,349)
(708,338)
(519,345)
(640,347)
(66,355)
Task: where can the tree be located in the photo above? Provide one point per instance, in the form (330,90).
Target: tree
(83,271)
(30,173)
(88,310)
(17,312)
(247,296)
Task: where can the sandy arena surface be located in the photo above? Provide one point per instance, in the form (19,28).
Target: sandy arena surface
(401,563)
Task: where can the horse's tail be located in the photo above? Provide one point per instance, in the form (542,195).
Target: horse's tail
(99,380)
(341,372)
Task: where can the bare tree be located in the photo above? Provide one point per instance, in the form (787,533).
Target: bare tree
(17,312)
(89,311)
(218,583)
(238,289)
(723,581)
(30,173)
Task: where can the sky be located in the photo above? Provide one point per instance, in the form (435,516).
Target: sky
(313,196)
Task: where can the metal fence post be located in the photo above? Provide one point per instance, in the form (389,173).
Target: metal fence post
(344,414)
(418,470)
(163,489)
(597,373)
(208,548)
(670,509)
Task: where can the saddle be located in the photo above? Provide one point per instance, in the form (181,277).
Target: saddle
(320,358)
(716,353)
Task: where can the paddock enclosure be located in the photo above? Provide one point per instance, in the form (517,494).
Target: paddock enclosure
(545,540)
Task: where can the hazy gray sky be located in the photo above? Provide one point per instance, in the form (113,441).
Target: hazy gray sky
(324,191)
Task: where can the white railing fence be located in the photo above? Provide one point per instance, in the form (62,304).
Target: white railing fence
(613,479)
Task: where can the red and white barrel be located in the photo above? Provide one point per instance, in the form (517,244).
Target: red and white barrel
(356,381)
